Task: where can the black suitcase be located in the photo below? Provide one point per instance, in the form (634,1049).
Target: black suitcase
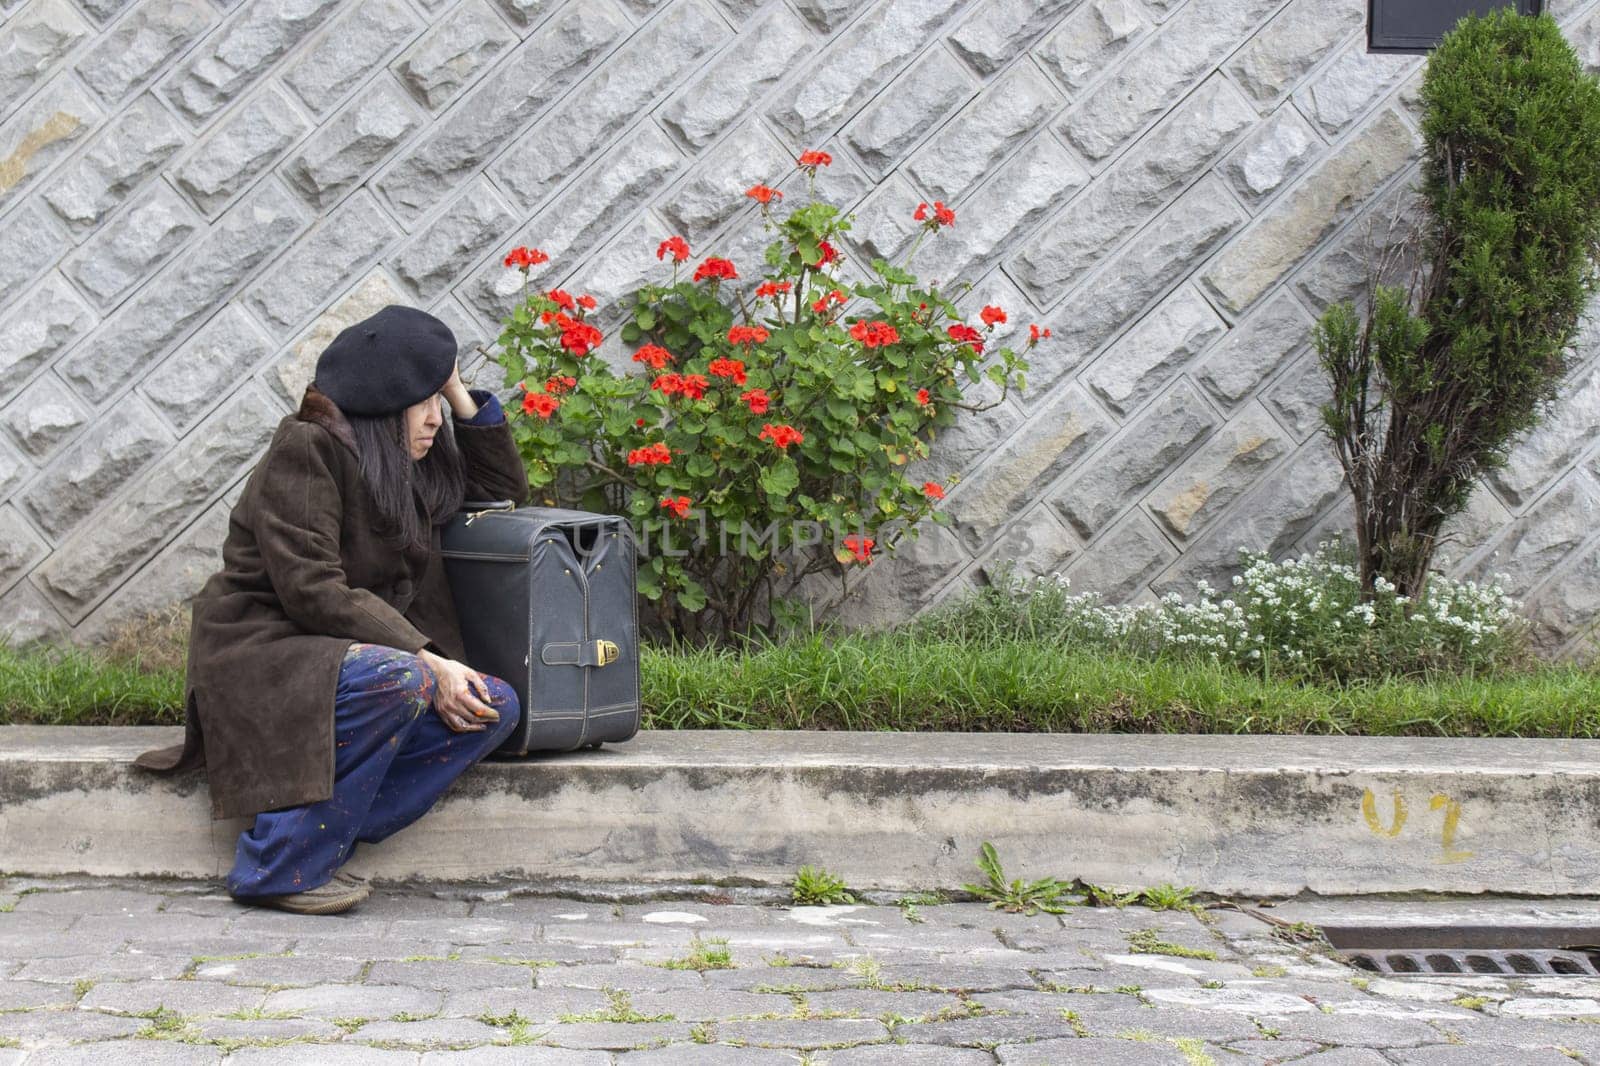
(547,602)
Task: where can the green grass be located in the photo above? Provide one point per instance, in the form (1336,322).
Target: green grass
(903,681)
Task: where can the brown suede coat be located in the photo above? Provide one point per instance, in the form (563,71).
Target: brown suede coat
(305,574)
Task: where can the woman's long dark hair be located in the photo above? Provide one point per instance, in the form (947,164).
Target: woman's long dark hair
(397,482)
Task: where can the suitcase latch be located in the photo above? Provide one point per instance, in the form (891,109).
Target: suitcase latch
(605,651)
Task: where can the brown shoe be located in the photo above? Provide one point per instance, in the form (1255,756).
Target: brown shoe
(335,897)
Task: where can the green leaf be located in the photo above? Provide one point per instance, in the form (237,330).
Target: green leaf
(692,597)
(781,478)
(630,333)
(646,318)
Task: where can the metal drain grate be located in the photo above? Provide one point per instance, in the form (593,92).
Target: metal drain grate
(1537,962)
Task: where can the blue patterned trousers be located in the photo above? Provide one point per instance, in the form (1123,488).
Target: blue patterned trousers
(393,757)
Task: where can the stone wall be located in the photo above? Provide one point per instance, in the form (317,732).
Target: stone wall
(196,195)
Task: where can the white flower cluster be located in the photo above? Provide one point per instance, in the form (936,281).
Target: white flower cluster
(1299,611)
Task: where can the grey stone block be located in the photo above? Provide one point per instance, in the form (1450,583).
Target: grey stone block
(137,47)
(728,86)
(615,1036)
(346,147)
(347,51)
(857,65)
(623,181)
(53,123)
(43,416)
(1541,455)
(1088,41)
(100,10)
(531,168)
(1165,340)
(448,976)
(1133,460)
(172,577)
(20,547)
(322,1055)
(997,31)
(1347,87)
(884,228)
(1296,398)
(1270,517)
(321,263)
(1384,232)
(230,60)
(699,1055)
(813,1033)
(713,193)
(115,162)
(536,73)
(1220,472)
(1034,545)
(1157,71)
(29,243)
(1257,346)
(239,149)
(1099,1050)
(205,368)
(1324,198)
(451,54)
(430,1033)
(154,318)
(526,14)
(829,15)
(37,328)
(92,561)
(1298,38)
(189,998)
(94,468)
(1138,185)
(1273,154)
(1119,565)
(29,618)
(1063,431)
(34,43)
(478,219)
(142,237)
(1537,542)
(918,100)
(986,131)
(131,1052)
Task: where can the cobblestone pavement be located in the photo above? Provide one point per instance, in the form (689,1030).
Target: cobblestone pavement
(158,972)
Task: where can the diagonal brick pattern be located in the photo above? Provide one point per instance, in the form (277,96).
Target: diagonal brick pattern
(196,195)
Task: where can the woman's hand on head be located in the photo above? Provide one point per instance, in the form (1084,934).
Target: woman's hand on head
(461,697)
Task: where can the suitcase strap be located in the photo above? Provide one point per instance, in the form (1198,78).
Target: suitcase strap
(575,653)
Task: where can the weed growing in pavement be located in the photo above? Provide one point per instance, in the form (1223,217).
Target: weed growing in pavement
(1193,1051)
(1017,896)
(815,887)
(1149,942)
(709,954)
(1169,898)
(619,1010)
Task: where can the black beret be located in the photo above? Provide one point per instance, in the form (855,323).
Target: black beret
(386,362)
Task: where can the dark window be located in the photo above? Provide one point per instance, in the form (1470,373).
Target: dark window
(1417,25)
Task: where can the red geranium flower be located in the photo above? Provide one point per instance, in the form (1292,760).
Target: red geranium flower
(586,302)
(758,400)
(678,505)
(820,306)
(781,435)
(562,299)
(874,334)
(557,385)
(539,403)
(747,335)
(677,246)
(668,384)
(650,455)
(720,269)
(728,368)
(695,385)
(992,315)
(964,334)
(525,257)
(829,253)
(942,215)
(653,356)
(860,547)
(577,337)
(773,289)
(813,160)
(932,490)
(1034,333)
(639,422)
(922,397)
(763,194)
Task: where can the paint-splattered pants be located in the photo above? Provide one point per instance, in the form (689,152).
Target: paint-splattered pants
(393,757)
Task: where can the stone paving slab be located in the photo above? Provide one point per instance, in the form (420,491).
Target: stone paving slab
(416,976)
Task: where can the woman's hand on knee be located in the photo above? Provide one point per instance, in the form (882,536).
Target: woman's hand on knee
(461,695)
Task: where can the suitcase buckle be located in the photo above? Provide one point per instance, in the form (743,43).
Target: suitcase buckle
(605,651)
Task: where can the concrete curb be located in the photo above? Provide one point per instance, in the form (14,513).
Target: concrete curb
(1256,815)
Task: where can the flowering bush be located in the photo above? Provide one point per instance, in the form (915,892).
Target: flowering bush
(1300,617)
(761,438)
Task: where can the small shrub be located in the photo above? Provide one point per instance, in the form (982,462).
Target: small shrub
(815,887)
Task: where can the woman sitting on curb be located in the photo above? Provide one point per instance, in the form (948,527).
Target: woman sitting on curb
(325,692)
